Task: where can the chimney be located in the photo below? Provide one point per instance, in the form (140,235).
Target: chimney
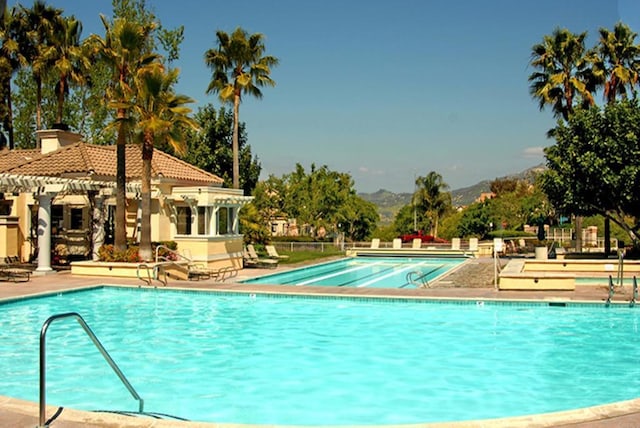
(50,140)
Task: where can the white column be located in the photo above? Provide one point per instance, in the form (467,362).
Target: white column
(97,226)
(44,233)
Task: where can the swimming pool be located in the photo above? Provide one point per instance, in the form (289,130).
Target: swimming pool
(372,272)
(262,359)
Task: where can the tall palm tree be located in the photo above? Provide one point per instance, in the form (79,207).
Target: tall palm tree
(563,77)
(124,49)
(12,58)
(432,198)
(162,117)
(238,67)
(616,62)
(41,23)
(70,61)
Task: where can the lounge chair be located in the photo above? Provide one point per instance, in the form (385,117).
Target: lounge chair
(416,243)
(473,244)
(375,243)
(273,253)
(250,259)
(397,243)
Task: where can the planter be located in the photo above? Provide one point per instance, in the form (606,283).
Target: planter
(541,253)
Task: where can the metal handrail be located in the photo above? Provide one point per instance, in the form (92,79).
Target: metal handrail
(414,281)
(634,296)
(98,345)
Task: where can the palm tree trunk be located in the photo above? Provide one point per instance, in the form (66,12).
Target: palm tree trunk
(235,146)
(9,128)
(145,251)
(61,100)
(38,102)
(120,238)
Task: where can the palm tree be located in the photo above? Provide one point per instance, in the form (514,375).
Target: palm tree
(70,61)
(124,49)
(563,75)
(432,198)
(616,62)
(12,58)
(41,23)
(161,118)
(238,67)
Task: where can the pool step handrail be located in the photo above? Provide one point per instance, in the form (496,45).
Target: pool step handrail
(96,342)
(151,273)
(414,276)
(634,295)
(611,291)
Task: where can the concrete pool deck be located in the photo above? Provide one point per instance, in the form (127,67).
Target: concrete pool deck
(474,281)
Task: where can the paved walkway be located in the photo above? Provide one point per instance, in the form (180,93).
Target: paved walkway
(474,280)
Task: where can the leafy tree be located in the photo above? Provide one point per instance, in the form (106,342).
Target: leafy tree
(238,67)
(593,167)
(357,218)
(476,220)
(432,199)
(563,77)
(211,149)
(161,117)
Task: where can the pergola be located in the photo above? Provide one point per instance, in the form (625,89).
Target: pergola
(44,189)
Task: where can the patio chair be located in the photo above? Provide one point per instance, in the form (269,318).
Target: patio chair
(250,259)
(273,253)
(375,243)
(397,243)
(416,243)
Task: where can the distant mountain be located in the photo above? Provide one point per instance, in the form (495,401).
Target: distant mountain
(389,203)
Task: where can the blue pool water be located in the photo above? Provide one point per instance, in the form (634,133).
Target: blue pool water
(304,361)
(372,272)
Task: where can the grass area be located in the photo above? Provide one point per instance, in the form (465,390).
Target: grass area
(307,255)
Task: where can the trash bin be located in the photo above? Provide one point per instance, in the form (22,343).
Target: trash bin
(541,253)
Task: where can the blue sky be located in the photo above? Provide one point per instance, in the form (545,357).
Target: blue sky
(385,91)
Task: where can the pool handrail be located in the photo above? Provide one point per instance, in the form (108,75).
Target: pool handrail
(96,342)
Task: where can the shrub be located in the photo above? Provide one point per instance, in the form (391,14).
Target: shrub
(108,253)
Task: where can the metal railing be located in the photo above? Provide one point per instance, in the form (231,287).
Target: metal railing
(96,342)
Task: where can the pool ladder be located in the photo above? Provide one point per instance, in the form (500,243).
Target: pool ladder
(634,295)
(417,278)
(96,342)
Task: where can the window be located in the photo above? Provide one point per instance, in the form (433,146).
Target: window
(223,221)
(57,216)
(76,218)
(202,220)
(184,221)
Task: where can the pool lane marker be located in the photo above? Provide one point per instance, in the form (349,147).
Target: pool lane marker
(400,271)
(334,274)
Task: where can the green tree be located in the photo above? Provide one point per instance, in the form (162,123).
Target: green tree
(210,148)
(563,77)
(593,167)
(239,67)
(616,62)
(162,117)
(431,198)
(123,49)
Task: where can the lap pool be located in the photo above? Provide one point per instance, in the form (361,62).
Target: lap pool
(372,272)
(264,359)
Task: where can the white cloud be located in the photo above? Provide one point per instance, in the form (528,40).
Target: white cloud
(533,152)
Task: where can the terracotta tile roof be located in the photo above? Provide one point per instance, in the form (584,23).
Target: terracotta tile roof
(79,159)
(9,158)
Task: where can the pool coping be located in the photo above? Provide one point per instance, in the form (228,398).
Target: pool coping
(16,412)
